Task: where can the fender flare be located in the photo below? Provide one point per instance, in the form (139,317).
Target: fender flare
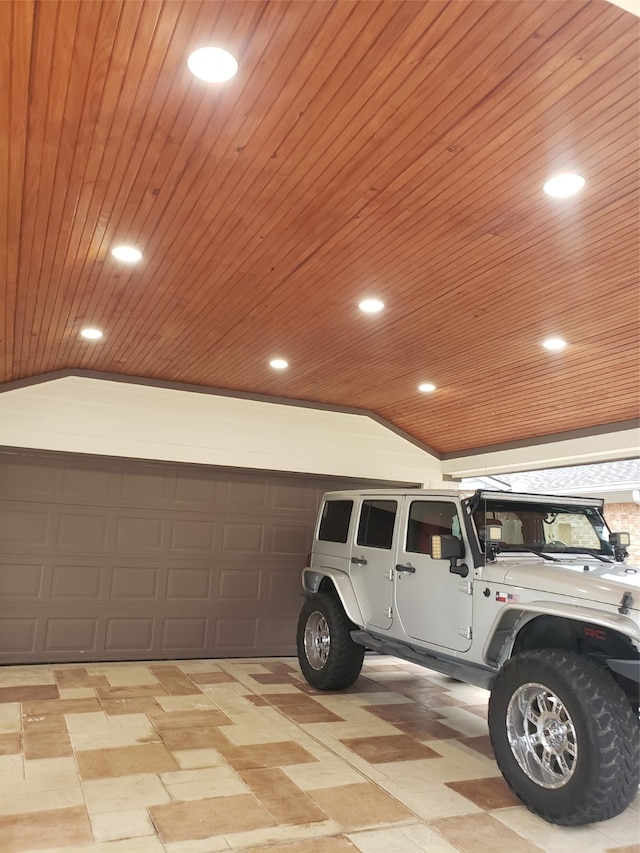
(312,578)
(511,618)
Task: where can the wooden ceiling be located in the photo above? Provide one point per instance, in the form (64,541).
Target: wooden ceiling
(389,149)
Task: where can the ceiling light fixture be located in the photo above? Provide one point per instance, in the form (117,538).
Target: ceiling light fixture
(562,186)
(426,387)
(279,363)
(127,254)
(91,334)
(212,64)
(554,344)
(371,306)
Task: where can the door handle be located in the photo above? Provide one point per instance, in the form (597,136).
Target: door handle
(359,561)
(408,568)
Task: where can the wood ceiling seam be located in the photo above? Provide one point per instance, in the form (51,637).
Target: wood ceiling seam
(55,224)
(16,73)
(25,304)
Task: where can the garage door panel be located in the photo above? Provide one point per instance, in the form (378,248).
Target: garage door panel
(81,531)
(89,480)
(18,636)
(135,533)
(192,535)
(189,583)
(137,488)
(127,635)
(72,635)
(289,539)
(243,493)
(137,582)
(21,528)
(77,581)
(184,634)
(21,580)
(197,490)
(293,497)
(34,481)
(238,585)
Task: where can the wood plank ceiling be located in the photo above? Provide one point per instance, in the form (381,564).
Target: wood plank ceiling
(387,149)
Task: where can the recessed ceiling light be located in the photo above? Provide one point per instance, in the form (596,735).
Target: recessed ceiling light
(554,344)
(212,64)
(279,363)
(562,186)
(371,306)
(91,334)
(426,387)
(127,254)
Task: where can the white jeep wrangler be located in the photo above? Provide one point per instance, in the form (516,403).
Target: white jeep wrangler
(526,595)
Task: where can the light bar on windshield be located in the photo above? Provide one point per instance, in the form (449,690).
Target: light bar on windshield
(539,499)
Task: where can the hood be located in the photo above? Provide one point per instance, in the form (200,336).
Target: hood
(582,578)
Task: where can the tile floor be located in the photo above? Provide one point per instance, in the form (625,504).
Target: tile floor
(242,755)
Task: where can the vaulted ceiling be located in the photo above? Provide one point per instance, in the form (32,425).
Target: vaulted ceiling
(389,149)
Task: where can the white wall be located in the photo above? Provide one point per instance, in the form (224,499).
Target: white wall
(604,447)
(80,414)
(84,415)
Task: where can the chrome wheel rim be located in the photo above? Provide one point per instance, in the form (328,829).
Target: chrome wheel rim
(542,735)
(317,640)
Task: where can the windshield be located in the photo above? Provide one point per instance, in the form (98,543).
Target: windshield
(547,526)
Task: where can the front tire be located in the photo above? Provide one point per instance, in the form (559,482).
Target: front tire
(565,737)
(328,657)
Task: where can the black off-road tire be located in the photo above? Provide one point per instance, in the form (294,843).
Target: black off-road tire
(598,742)
(328,657)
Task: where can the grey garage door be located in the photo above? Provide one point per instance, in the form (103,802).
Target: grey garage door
(112,559)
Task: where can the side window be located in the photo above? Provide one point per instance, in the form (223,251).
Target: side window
(430,518)
(334,521)
(376,524)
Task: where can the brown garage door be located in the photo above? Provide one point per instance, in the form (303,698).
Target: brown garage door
(112,559)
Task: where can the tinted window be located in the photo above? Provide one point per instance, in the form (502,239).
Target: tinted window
(376,523)
(430,518)
(334,522)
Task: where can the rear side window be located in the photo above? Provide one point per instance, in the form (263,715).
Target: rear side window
(334,521)
(376,524)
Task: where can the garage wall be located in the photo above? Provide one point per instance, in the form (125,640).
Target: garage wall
(89,415)
(115,559)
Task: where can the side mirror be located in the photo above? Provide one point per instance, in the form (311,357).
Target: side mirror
(620,542)
(447,547)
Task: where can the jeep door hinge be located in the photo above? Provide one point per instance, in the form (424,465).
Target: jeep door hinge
(465,632)
(390,574)
(466,587)
(388,612)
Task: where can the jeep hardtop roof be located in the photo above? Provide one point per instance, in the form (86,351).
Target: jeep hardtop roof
(481,494)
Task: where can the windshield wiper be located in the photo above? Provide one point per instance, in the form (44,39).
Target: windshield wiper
(528,549)
(544,554)
(573,549)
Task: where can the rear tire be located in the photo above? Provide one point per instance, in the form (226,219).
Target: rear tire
(328,657)
(565,737)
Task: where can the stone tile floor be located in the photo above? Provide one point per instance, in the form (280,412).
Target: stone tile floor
(242,755)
